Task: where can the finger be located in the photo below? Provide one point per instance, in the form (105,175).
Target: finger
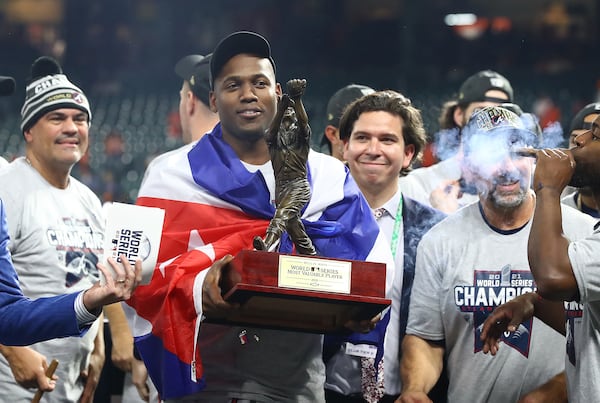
(560,153)
(491,346)
(88,394)
(108,278)
(494,325)
(223,261)
(138,271)
(144,392)
(218,268)
(130,270)
(118,266)
(44,383)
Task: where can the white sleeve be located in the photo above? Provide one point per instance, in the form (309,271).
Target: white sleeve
(585,260)
(425,312)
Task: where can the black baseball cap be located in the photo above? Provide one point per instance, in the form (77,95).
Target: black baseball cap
(235,44)
(195,69)
(342,98)
(578,122)
(475,87)
(7,85)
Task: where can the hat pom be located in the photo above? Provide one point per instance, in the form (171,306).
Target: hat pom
(45,66)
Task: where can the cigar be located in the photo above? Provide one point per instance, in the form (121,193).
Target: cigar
(49,373)
(525,152)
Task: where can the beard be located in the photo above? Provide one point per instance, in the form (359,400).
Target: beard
(581,179)
(507,201)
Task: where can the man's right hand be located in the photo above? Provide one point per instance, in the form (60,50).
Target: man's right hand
(139,377)
(29,368)
(213,304)
(445,197)
(506,317)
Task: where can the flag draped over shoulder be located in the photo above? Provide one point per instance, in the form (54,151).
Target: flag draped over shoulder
(213,207)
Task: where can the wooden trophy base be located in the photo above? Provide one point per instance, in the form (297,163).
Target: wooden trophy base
(302,293)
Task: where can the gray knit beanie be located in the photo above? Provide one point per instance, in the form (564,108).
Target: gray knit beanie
(49,89)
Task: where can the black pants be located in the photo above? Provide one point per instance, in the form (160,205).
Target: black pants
(334,397)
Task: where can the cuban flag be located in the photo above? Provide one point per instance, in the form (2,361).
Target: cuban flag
(213,207)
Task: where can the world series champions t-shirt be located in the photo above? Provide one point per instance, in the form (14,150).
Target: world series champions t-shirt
(56,241)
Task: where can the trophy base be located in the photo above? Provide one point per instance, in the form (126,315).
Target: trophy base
(254,280)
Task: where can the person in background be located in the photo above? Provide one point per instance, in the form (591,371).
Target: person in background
(7,87)
(330,141)
(383,135)
(195,112)
(56,238)
(565,269)
(115,168)
(197,119)
(582,198)
(86,174)
(460,277)
(443,185)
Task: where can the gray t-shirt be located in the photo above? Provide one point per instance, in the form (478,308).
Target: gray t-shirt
(583,322)
(56,241)
(464,270)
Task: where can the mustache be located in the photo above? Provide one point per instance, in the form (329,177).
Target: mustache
(506,177)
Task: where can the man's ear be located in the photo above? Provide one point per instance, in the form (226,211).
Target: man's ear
(213,102)
(28,136)
(458,116)
(344,147)
(332,134)
(190,102)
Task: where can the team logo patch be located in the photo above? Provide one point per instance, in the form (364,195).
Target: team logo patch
(77,97)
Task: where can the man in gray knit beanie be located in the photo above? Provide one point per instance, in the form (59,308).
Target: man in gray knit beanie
(49,89)
(56,229)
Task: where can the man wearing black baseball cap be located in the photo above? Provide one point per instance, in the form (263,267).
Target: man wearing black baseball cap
(232,45)
(330,141)
(194,101)
(195,114)
(442,185)
(217,197)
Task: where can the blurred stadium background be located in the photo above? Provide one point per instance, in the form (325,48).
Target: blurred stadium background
(122,53)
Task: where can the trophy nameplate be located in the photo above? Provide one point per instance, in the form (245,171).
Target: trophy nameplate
(301,293)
